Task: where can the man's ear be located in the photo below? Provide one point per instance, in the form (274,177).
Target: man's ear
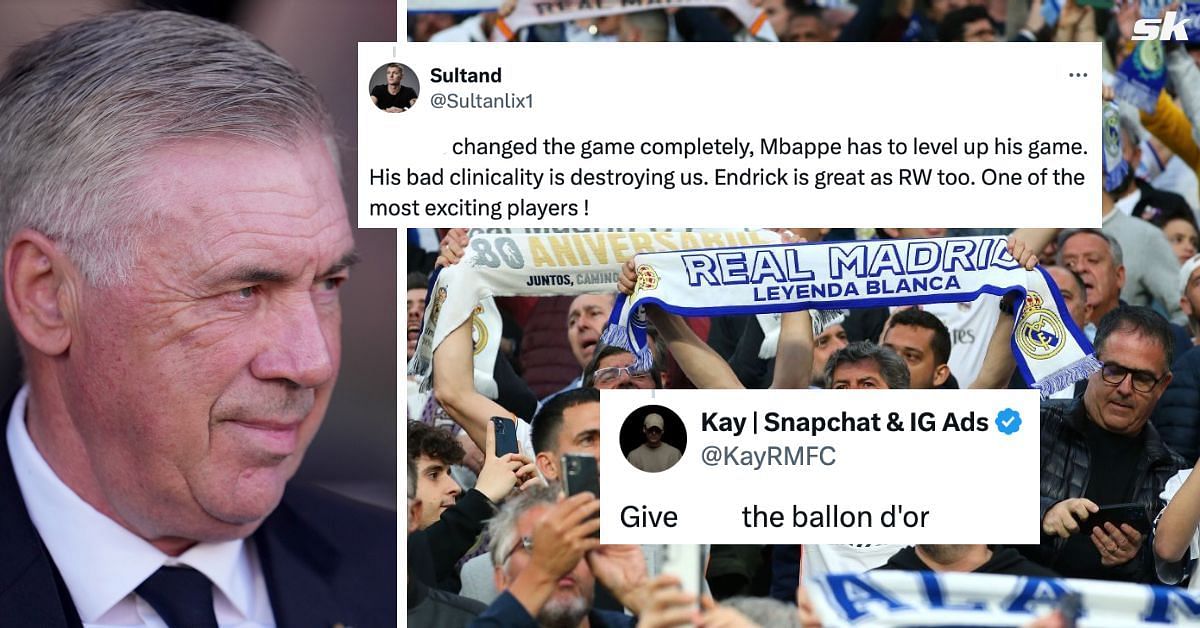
(1120,277)
(414,515)
(499,578)
(40,290)
(548,465)
(941,374)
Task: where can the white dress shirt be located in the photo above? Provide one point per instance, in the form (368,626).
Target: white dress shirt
(102,563)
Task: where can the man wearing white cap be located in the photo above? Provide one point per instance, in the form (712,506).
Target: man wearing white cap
(654,455)
(1189,296)
(1177,415)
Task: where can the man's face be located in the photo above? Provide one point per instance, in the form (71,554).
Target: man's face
(609,380)
(979,30)
(1190,302)
(824,345)
(654,435)
(805,28)
(197,385)
(573,593)
(393,76)
(580,434)
(1120,408)
(862,375)
(777,15)
(416,310)
(1089,255)
(585,321)
(1183,239)
(1072,296)
(608,25)
(915,345)
(436,489)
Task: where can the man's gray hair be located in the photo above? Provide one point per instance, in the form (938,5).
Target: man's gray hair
(1113,246)
(891,366)
(765,611)
(83,106)
(502,529)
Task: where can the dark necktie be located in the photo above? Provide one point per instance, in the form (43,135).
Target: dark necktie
(182,596)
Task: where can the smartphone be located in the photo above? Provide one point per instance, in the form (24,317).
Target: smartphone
(581,474)
(1133,514)
(506,435)
(686,562)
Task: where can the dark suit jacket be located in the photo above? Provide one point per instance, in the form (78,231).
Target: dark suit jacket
(326,559)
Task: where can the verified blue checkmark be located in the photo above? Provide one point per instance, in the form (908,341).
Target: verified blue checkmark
(1008,421)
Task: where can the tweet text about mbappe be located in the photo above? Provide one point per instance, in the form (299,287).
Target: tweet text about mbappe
(625,136)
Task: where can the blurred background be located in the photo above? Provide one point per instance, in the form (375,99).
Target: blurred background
(355,452)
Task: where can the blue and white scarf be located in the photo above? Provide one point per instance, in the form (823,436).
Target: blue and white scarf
(924,598)
(1142,75)
(538,262)
(1051,352)
(1115,166)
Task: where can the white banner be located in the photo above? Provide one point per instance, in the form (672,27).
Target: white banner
(530,12)
(905,598)
(540,262)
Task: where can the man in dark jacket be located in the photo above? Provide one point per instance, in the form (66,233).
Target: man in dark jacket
(1099,450)
(426,606)
(1177,415)
(450,521)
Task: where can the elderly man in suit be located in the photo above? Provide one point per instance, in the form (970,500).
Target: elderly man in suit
(174,240)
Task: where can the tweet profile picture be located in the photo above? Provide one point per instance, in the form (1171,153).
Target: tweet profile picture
(394,88)
(653,438)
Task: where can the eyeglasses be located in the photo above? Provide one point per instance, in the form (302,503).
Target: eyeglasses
(1143,381)
(525,542)
(613,373)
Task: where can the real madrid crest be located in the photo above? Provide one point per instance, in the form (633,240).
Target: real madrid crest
(647,279)
(479,331)
(1040,331)
(1150,56)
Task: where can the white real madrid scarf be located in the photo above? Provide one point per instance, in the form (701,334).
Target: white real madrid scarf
(1051,352)
(542,262)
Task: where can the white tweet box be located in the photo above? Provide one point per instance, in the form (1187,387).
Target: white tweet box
(714,135)
(977,485)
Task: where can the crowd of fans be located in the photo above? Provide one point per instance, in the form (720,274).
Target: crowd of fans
(493,542)
(823,20)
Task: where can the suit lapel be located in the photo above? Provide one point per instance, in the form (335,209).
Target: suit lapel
(31,591)
(298,564)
